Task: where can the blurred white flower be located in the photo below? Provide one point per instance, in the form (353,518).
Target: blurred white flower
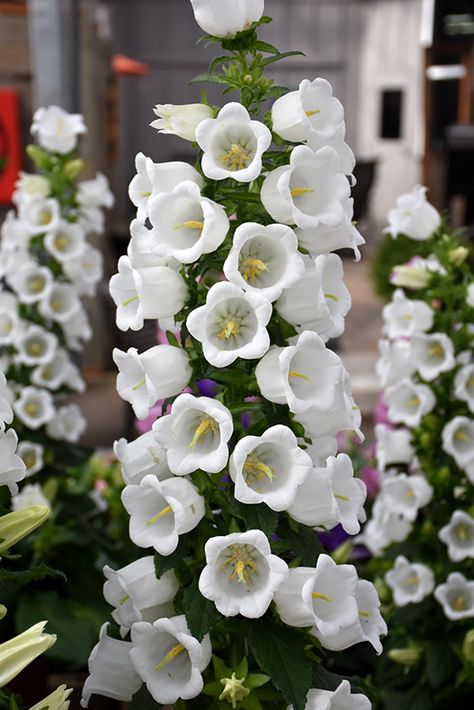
(31,282)
(456,596)
(55,372)
(35,346)
(413,216)
(39,215)
(60,304)
(395,362)
(464,386)
(393,446)
(68,424)
(30,185)
(384,528)
(181,120)
(57,130)
(12,468)
(30,494)
(458,442)
(31,454)
(406,316)
(432,354)
(66,241)
(410,582)
(34,407)
(85,271)
(458,535)
(407,402)
(95,192)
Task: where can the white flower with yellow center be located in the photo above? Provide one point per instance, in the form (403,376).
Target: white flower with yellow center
(161,511)
(413,216)
(35,346)
(39,215)
(458,442)
(111,673)
(137,594)
(384,528)
(321,596)
(32,456)
(319,301)
(232,324)
(9,321)
(144,378)
(12,468)
(60,304)
(339,699)
(302,375)
(264,259)
(241,575)
(180,121)
(395,362)
(68,424)
(408,402)
(6,412)
(29,185)
(141,457)
(410,582)
(464,386)
(369,625)
(34,407)
(405,495)
(349,492)
(458,535)
(57,130)
(269,468)
(393,446)
(225,18)
(65,242)
(86,271)
(195,434)
(146,293)
(309,191)
(95,192)
(456,596)
(314,503)
(233,144)
(406,316)
(168,659)
(56,372)
(324,239)
(31,283)
(186,224)
(432,354)
(31,494)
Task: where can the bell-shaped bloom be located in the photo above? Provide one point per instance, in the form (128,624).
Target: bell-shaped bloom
(141,457)
(20,651)
(232,324)
(161,511)
(160,372)
(264,259)
(86,271)
(35,346)
(6,412)
(302,375)
(39,215)
(413,216)
(195,434)
(323,597)
(57,371)
(406,316)
(395,362)
(456,596)
(225,18)
(65,242)
(458,442)
(9,322)
(464,386)
(269,468)
(324,239)
(77,330)
(60,304)
(314,503)
(384,527)
(17,525)
(180,121)
(405,495)
(111,673)
(30,496)
(458,535)
(241,575)
(168,659)
(31,283)
(95,192)
(186,224)
(309,191)
(34,407)
(29,185)
(137,594)
(319,301)
(410,582)
(68,424)
(393,446)
(233,144)
(339,699)
(147,293)
(349,492)
(31,454)
(407,402)
(57,130)
(368,626)
(57,700)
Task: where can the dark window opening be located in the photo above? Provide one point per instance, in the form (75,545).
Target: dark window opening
(391,113)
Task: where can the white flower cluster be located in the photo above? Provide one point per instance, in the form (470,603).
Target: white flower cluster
(47,266)
(416,363)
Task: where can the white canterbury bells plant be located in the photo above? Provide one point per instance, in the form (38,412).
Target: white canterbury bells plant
(241,468)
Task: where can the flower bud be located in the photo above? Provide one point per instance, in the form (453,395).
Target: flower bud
(3,611)
(181,121)
(468,646)
(72,169)
(405,656)
(15,526)
(410,277)
(58,700)
(458,256)
(21,650)
(39,157)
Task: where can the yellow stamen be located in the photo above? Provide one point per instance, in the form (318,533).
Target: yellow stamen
(365,614)
(345,498)
(29,460)
(61,242)
(312,112)
(462,531)
(206,425)
(299,375)
(414,580)
(129,300)
(414,402)
(145,194)
(190,224)
(37,284)
(158,516)
(462,435)
(175,651)
(459,603)
(298,191)
(409,494)
(45,217)
(407,316)
(47,373)
(244,566)
(435,350)
(332,296)
(124,599)
(254,468)
(323,597)
(31,409)
(236,158)
(230,330)
(470,382)
(138,385)
(34,349)
(56,304)
(250,268)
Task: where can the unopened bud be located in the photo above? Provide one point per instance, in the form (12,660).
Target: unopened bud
(468,646)
(39,157)
(17,525)
(248,79)
(405,656)
(3,611)
(458,256)
(72,169)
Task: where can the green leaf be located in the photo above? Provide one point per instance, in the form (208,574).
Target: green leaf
(29,575)
(255,517)
(163,563)
(441,663)
(142,700)
(305,544)
(265,47)
(201,614)
(172,339)
(219,60)
(279,651)
(283,55)
(324,679)
(212,78)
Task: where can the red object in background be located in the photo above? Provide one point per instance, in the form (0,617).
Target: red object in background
(123,65)
(10,143)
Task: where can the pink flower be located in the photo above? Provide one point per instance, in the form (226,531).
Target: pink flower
(371,478)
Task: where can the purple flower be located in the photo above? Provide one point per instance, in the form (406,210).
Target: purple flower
(333,539)
(207,388)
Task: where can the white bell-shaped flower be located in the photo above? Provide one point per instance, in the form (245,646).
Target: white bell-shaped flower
(225,18)
(464,386)
(15,235)
(432,354)
(34,407)
(350,493)
(111,673)
(369,625)
(68,424)
(232,324)
(233,144)
(269,468)
(95,192)
(186,224)
(181,120)
(168,659)
(384,527)
(29,185)
(395,361)
(309,191)
(31,494)
(9,322)
(410,582)
(6,412)
(241,575)
(264,259)
(31,283)
(144,378)
(323,597)
(458,535)
(456,596)
(146,293)
(57,130)
(302,375)
(314,503)
(12,468)
(31,454)
(141,457)
(161,511)
(77,330)
(458,442)
(405,495)
(60,304)
(339,699)
(393,446)
(141,185)
(406,316)
(35,346)
(39,215)
(408,402)
(137,594)
(86,271)
(65,242)
(55,372)
(195,434)
(324,239)
(413,216)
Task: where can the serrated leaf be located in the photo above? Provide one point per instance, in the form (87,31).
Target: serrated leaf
(34,574)
(279,651)
(305,544)
(163,563)
(201,614)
